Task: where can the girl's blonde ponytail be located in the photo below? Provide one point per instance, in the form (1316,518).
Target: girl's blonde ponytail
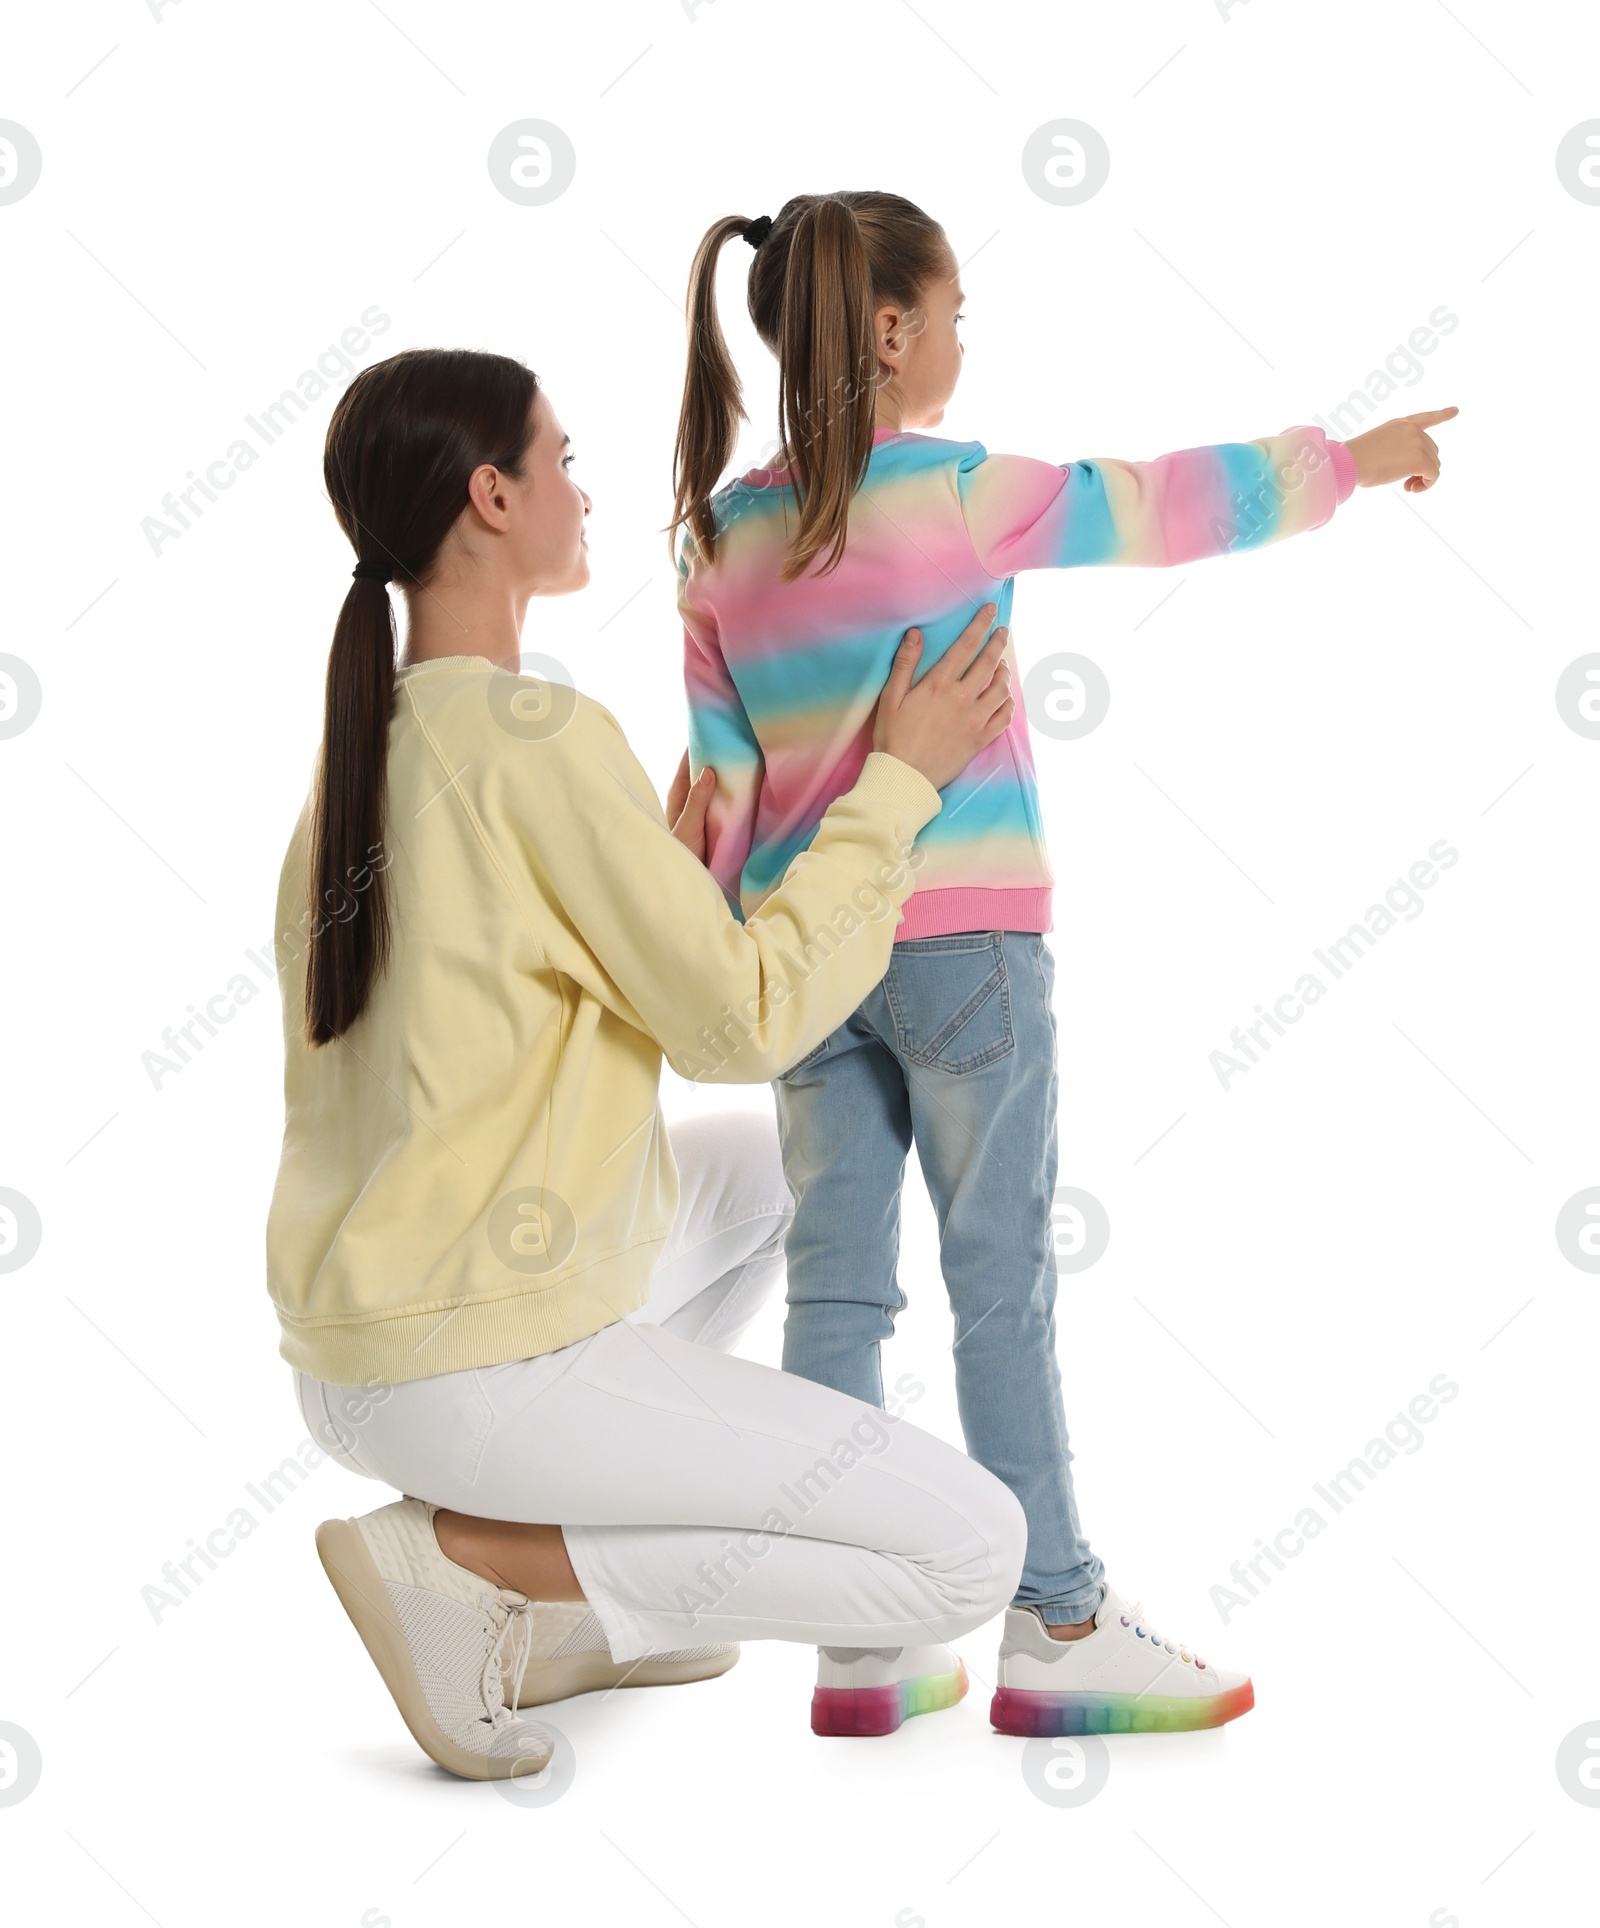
(820,272)
(713,403)
(827,375)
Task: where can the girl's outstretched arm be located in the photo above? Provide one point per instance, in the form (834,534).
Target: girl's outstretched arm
(1024,514)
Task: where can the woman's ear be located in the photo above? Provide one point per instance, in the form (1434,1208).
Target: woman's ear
(487,494)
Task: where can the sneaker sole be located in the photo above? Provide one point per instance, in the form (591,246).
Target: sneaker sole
(350,1568)
(1014,1710)
(862,1711)
(548,1680)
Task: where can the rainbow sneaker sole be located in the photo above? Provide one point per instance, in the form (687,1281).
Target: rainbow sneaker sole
(1017,1711)
(880,1710)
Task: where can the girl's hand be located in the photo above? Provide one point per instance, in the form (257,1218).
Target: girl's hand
(939,725)
(1400,451)
(687,804)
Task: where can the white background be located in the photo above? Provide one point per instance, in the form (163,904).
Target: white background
(1291,194)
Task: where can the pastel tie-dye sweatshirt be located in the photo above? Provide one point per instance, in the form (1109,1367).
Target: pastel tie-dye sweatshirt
(783,677)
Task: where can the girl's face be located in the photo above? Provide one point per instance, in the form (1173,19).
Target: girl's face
(922,350)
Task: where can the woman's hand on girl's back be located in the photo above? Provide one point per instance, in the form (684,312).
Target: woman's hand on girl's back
(938,725)
(687,804)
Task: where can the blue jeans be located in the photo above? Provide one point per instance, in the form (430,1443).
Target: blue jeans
(955,1052)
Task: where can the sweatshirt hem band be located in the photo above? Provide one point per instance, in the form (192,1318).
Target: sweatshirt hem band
(944,913)
(392,1350)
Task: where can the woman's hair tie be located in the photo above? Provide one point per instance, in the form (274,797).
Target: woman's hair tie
(373,571)
(755,232)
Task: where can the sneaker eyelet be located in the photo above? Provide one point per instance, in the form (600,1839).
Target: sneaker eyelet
(1140,1632)
(1126,1621)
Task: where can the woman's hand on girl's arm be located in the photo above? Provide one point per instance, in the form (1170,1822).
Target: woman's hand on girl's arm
(687,804)
(1399,451)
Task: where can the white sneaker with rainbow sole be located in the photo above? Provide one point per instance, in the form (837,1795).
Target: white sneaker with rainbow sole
(871,1690)
(1124,1678)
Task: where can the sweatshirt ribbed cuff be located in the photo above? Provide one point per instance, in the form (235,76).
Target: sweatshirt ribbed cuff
(885,778)
(1344,470)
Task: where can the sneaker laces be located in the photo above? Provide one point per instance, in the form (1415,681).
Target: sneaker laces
(1135,1618)
(509,1652)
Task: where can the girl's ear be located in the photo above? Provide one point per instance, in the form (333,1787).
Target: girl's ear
(892,334)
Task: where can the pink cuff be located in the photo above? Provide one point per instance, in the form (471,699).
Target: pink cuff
(1344,470)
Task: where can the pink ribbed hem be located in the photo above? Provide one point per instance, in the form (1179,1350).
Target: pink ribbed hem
(1344,469)
(945,913)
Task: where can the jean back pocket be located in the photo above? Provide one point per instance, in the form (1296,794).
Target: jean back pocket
(951,1001)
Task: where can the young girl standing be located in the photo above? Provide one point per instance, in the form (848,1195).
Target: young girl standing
(796,583)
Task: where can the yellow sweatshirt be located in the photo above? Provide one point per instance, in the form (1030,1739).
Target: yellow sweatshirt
(477,1171)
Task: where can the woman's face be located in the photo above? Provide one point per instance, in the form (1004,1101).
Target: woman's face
(545,511)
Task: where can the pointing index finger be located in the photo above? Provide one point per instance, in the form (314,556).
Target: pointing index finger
(1430,416)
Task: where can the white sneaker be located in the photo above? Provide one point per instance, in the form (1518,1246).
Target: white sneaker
(871,1690)
(570,1656)
(442,1638)
(1124,1678)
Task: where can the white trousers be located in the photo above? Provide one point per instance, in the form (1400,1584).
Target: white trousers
(702,1497)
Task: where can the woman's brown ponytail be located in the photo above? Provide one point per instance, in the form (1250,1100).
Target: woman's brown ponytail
(404,439)
(349,929)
